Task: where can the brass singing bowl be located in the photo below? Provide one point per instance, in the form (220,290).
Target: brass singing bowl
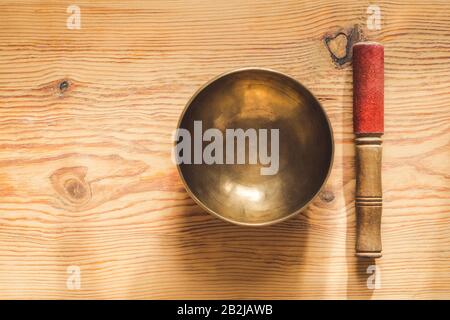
(260,99)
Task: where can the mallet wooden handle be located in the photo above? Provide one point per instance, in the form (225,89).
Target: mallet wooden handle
(368,114)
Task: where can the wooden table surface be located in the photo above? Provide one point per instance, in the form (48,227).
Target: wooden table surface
(86,179)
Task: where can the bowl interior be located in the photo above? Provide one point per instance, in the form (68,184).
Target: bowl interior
(259,99)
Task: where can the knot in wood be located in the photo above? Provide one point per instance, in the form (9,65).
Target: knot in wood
(70,184)
(326,196)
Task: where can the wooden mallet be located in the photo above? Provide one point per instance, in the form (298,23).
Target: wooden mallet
(368,125)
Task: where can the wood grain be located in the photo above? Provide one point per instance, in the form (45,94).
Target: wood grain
(86,177)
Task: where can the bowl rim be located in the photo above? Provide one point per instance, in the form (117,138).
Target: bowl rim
(290,215)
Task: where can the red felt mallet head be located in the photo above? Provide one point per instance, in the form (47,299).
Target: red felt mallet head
(368,88)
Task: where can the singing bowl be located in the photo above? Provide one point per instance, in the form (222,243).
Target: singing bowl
(259,99)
